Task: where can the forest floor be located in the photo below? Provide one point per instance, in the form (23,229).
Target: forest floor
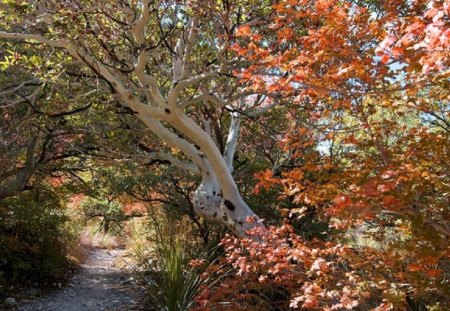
(100,285)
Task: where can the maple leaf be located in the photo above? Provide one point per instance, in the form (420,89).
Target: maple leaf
(243,31)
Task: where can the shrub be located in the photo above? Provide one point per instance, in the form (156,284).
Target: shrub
(281,271)
(33,238)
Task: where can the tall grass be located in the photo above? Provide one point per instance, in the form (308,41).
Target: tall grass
(177,282)
(169,278)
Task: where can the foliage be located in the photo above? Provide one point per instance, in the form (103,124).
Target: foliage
(34,239)
(366,99)
(282,271)
(169,277)
(353,147)
(110,212)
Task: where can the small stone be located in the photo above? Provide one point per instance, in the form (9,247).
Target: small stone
(10,302)
(34,292)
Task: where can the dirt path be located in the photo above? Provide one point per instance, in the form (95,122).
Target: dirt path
(99,286)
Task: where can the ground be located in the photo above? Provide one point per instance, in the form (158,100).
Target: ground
(101,285)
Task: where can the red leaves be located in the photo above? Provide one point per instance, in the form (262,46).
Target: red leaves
(307,273)
(422,40)
(434,272)
(415,267)
(396,52)
(362,156)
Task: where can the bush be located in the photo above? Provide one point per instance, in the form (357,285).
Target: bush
(281,271)
(33,238)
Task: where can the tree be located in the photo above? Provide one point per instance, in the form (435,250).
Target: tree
(153,56)
(34,140)
(373,81)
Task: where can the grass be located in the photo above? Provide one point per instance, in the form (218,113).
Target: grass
(166,273)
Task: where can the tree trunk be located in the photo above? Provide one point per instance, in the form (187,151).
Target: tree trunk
(210,204)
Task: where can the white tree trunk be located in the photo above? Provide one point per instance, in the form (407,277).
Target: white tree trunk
(210,204)
(217,198)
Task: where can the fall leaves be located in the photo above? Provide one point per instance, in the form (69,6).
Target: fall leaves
(420,41)
(366,89)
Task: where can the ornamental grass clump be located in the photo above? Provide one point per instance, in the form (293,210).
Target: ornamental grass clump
(172,275)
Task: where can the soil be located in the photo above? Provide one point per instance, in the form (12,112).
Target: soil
(100,285)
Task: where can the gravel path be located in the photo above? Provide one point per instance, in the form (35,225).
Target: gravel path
(99,286)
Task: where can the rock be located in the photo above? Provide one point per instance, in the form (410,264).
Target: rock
(128,281)
(10,302)
(34,292)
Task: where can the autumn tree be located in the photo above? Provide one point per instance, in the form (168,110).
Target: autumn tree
(373,80)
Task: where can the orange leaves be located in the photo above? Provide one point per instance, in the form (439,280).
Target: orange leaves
(433,273)
(134,208)
(396,52)
(307,272)
(414,267)
(416,27)
(285,34)
(323,5)
(243,31)
(239,50)
(265,181)
(363,150)
(340,204)
(319,266)
(422,40)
